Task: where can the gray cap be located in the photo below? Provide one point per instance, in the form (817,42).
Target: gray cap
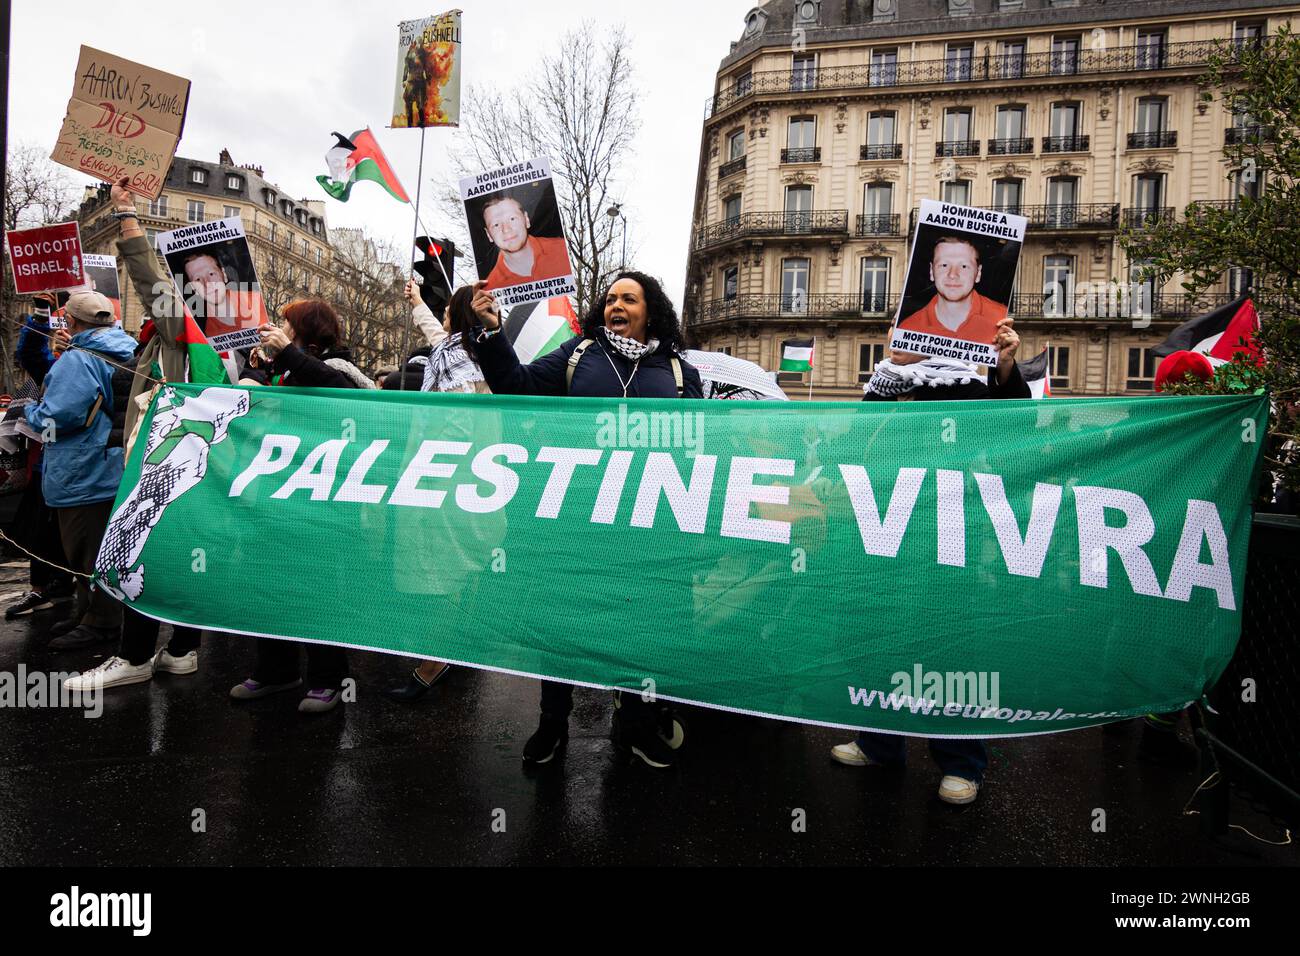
(90,308)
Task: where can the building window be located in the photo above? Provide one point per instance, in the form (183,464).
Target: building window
(1010,123)
(1062,201)
(1058,286)
(1011,59)
(198,176)
(1065,55)
(798,209)
(744,84)
(229,212)
(725,349)
(1148,193)
(286,208)
(1141,370)
(1064,124)
(1150,116)
(271,232)
(1150,49)
(802,133)
(870,354)
(730,282)
(1058,366)
(235,183)
(270,200)
(875,285)
(1245,183)
(884,68)
(1248,34)
(158,207)
(878,199)
(1142,288)
(804,73)
(1007,194)
(194,210)
(957,126)
(151,235)
(319,256)
(1239,281)
(957,192)
(288,240)
(794,285)
(959,62)
(881,129)
(735,145)
(731,209)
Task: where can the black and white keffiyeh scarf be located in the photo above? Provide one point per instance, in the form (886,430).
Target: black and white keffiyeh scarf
(630,349)
(890,380)
(450,368)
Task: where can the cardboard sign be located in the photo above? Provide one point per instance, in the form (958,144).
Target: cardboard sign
(959,281)
(428,72)
(212,267)
(124,119)
(46,259)
(518,237)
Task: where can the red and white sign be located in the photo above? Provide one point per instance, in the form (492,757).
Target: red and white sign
(46,259)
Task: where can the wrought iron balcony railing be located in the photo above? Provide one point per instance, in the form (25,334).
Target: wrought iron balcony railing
(957,147)
(1116,303)
(819,305)
(808,154)
(1193,54)
(1241,135)
(1147,217)
(1098,217)
(1153,139)
(882,151)
(1066,144)
(1011,147)
(880,224)
(735,166)
(817,222)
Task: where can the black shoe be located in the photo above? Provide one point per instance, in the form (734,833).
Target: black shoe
(670,727)
(414,688)
(643,740)
(546,741)
(61,590)
(31,601)
(86,635)
(60,628)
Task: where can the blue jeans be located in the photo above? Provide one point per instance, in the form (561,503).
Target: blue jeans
(959,757)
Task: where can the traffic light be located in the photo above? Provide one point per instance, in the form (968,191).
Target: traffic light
(436,268)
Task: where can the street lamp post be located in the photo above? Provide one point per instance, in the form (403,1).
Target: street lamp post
(616,212)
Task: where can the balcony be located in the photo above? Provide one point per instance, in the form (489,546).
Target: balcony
(808,154)
(817,222)
(957,147)
(1190,55)
(882,151)
(816,306)
(1147,218)
(1097,217)
(1011,147)
(1066,144)
(1203,209)
(1243,135)
(1116,303)
(880,224)
(1153,139)
(731,168)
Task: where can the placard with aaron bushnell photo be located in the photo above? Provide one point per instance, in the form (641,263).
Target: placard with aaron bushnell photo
(212,267)
(959,282)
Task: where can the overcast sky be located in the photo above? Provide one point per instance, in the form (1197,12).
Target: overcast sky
(271,80)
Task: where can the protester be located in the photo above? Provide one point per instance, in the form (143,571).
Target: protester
(36,525)
(630,348)
(523,257)
(305,352)
(905,377)
(80,473)
(451,366)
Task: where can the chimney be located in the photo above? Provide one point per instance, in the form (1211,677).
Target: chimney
(224,159)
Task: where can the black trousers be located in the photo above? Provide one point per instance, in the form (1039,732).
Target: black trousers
(277,663)
(82,528)
(37,529)
(140,638)
(557,703)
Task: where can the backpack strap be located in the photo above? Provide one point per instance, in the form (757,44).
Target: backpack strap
(574,359)
(677,375)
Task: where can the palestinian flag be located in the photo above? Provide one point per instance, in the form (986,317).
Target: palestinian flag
(797,355)
(205,365)
(1218,335)
(1036,373)
(541,329)
(356,158)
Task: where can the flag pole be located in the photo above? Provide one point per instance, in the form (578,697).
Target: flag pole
(415,231)
(811,366)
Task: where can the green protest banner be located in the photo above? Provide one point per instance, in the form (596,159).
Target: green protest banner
(947,568)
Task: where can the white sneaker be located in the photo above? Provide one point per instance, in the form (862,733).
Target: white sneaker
(164,663)
(958,790)
(851,755)
(114,671)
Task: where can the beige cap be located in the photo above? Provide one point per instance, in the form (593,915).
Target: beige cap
(90,308)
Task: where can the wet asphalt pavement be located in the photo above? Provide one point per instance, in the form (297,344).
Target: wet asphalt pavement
(378,783)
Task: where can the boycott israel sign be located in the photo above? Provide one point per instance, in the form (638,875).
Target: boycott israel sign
(953,568)
(46,259)
(124,119)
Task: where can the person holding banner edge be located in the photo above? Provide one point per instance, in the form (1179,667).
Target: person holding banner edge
(630,348)
(905,377)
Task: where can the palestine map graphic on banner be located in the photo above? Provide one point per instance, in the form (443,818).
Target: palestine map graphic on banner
(806,561)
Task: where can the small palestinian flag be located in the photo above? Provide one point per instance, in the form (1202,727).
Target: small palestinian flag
(797,355)
(205,365)
(1218,335)
(543,329)
(1037,375)
(356,158)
